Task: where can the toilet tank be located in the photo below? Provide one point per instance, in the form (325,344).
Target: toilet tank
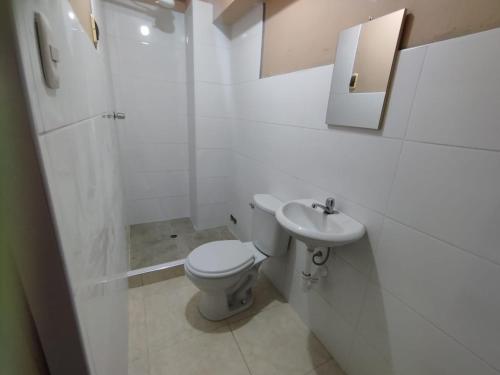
(267,234)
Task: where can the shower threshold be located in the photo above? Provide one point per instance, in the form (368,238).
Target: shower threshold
(156,273)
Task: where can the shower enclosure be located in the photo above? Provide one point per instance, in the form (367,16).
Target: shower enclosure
(151,57)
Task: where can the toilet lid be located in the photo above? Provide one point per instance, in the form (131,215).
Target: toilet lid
(220,258)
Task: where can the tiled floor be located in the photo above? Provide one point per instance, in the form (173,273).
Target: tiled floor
(168,336)
(151,243)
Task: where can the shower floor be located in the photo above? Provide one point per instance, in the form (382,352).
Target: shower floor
(166,241)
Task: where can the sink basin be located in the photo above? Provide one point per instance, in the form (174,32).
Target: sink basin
(316,229)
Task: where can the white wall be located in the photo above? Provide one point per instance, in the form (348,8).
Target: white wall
(210,108)
(149,80)
(79,151)
(419,294)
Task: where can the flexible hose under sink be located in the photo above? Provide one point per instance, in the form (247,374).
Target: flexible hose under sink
(319,254)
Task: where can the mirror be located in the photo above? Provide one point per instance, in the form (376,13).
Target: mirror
(82,10)
(362,71)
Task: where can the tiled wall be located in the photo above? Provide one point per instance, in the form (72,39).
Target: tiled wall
(210,123)
(79,151)
(149,80)
(419,294)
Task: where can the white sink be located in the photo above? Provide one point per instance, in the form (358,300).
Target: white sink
(316,229)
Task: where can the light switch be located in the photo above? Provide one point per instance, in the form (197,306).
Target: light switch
(54,54)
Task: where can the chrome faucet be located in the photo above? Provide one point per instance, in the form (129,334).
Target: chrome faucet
(328,207)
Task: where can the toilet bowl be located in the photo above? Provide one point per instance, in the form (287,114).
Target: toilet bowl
(226,271)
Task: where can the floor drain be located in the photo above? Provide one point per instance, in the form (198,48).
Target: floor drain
(173,236)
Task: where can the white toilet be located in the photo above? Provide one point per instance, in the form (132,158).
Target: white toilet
(226,271)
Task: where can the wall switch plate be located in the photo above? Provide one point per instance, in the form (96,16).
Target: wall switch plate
(49,54)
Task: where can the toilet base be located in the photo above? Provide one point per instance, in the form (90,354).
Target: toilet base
(216,307)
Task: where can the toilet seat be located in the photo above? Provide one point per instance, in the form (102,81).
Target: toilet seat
(220,259)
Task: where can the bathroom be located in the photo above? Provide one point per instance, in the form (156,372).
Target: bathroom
(167,156)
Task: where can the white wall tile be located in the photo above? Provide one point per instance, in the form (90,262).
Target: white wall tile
(456,290)
(156,184)
(245,62)
(148,60)
(213,132)
(81,164)
(144,210)
(150,100)
(174,207)
(157,157)
(457,98)
(204,29)
(79,153)
(364,360)
(343,289)
(330,327)
(83,91)
(214,63)
(409,343)
(446,192)
(299,98)
(125,18)
(213,163)
(214,190)
(213,100)
(136,130)
(211,215)
(147,210)
(402,91)
(334,332)
(360,167)
(368,165)
(359,254)
(149,78)
(450,193)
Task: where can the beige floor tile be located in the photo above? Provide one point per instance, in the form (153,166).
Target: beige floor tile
(167,286)
(162,275)
(266,296)
(329,368)
(137,344)
(276,342)
(172,314)
(213,353)
(138,367)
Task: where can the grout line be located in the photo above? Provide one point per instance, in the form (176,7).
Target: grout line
(146,143)
(363,133)
(408,118)
(424,318)
(157,267)
(155,197)
(496,263)
(328,128)
(452,146)
(315,367)
(148,354)
(342,196)
(78,122)
(358,321)
(167,171)
(385,214)
(410,113)
(239,348)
